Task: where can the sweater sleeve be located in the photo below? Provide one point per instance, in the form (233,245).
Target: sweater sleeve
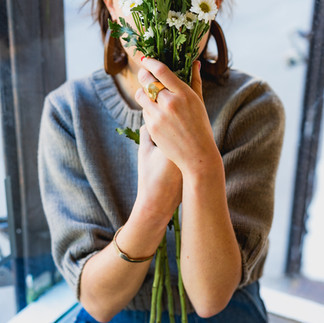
(251,153)
(77,223)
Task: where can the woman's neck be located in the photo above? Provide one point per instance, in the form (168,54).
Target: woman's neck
(127,84)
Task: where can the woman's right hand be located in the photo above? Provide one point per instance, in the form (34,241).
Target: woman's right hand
(159,180)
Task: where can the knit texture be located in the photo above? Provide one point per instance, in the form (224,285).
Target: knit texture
(88,173)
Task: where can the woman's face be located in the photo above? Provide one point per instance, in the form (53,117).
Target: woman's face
(116,12)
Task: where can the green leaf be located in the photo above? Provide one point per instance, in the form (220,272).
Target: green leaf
(181,39)
(186,4)
(116,29)
(125,28)
(129,133)
(163,8)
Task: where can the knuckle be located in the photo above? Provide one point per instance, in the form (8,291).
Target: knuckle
(161,119)
(173,103)
(143,75)
(154,128)
(160,70)
(157,123)
(171,106)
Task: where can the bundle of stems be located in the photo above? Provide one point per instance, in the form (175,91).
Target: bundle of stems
(162,279)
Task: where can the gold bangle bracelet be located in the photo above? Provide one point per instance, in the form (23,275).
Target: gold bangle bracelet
(123,255)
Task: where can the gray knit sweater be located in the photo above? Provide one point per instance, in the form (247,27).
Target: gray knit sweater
(88,173)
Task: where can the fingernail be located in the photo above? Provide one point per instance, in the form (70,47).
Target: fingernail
(142,58)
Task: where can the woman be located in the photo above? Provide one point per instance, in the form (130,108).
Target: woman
(214,148)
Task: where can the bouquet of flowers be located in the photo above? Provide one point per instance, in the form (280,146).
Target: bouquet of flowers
(169,31)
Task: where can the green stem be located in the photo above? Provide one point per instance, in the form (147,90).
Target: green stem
(157,30)
(193,37)
(155,284)
(174,49)
(138,22)
(161,280)
(168,287)
(184,318)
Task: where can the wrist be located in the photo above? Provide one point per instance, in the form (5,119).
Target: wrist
(141,234)
(204,167)
(150,214)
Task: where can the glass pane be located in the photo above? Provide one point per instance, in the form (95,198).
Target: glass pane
(7,290)
(312,264)
(31,263)
(3,204)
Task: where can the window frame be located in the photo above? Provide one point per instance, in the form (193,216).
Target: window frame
(310,130)
(32,63)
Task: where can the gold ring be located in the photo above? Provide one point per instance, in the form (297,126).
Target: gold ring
(153,89)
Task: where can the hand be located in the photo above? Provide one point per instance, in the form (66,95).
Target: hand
(178,122)
(159,180)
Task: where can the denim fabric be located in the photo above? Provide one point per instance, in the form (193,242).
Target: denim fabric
(246,306)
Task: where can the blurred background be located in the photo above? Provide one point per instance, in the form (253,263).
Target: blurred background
(269,39)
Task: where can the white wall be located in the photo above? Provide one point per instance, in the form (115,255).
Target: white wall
(84,50)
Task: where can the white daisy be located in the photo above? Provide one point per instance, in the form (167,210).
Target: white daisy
(148,33)
(189,19)
(206,9)
(127,5)
(175,19)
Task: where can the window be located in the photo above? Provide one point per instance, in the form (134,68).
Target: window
(28,43)
(7,290)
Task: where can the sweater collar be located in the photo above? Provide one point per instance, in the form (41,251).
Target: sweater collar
(111,98)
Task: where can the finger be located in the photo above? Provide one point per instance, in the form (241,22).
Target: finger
(163,74)
(196,83)
(144,101)
(145,78)
(145,138)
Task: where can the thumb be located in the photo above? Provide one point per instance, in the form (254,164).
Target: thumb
(196,82)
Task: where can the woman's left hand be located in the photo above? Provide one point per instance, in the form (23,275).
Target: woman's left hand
(177,122)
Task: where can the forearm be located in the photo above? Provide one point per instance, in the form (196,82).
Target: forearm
(108,283)
(210,257)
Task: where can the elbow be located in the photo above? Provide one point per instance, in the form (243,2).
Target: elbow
(205,310)
(99,315)
(100,312)
(209,302)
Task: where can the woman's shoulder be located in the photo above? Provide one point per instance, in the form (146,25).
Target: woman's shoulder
(238,91)
(75,91)
(72,100)
(237,85)
(243,103)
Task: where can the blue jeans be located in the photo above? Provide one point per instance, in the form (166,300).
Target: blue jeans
(246,306)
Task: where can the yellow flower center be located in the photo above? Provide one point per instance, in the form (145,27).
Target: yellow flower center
(204,7)
(132,5)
